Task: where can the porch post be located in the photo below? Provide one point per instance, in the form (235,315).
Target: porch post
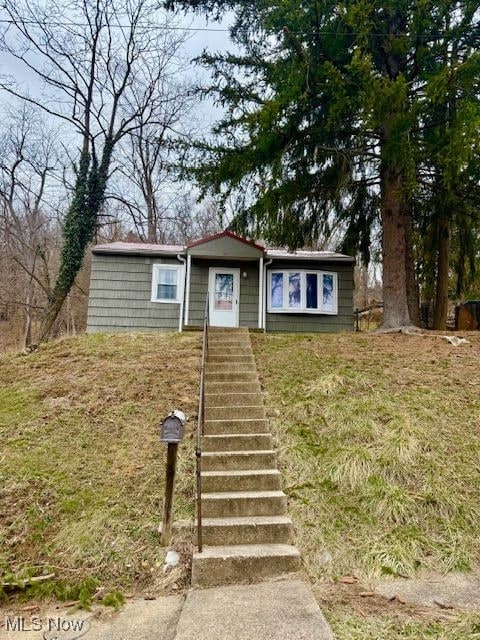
(260,293)
(187,287)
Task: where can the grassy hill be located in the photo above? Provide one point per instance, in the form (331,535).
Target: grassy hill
(81,466)
(379,447)
(378,440)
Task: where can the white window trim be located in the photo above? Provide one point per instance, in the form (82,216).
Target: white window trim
(302,309)
(156,267)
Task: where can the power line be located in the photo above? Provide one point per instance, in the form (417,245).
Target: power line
(159,27)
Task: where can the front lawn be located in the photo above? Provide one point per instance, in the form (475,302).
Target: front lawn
(379,446)
(81,465)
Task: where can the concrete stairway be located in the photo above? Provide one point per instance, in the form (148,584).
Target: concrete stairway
(246,532)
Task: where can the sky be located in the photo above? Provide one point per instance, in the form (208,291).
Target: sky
(213,41)
(202,35)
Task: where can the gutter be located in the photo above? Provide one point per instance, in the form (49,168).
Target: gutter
(182,303)
(266,264)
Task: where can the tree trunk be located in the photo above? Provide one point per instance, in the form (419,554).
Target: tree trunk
(413,296)
(79,229)
(441,293)
(395,237)
(151,224)
(27,334)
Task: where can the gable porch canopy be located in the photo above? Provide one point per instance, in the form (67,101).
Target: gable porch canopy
(225,245)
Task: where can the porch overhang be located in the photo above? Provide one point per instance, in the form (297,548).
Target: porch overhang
(226,246)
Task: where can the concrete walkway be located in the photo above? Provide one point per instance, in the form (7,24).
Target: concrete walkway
(280,610)
(453,591)
(136,620)
(283,610)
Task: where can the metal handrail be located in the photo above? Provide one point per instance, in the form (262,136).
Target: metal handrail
(200,425)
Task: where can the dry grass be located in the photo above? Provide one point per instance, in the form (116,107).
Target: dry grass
(81,466)
(353,616)
(379,440)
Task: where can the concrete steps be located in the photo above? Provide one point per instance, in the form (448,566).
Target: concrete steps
(230,359)
(232,386)
(237,343)
(244,503)
(231,426)
(246,530)
(241,480)
(238,460)
(232,413)
(233,399)
(229,350)
(230,368)
(238,442)
(229,377)
(231,564)
(245,527)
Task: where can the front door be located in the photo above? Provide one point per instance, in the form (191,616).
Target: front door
(224,287)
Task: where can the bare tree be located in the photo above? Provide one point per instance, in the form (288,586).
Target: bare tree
(147,184)
(192,220)
(28,224)
(104,64)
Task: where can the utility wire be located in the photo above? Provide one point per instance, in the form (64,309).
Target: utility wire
(159,27)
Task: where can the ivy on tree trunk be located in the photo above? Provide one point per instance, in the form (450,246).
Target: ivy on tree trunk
(79,229)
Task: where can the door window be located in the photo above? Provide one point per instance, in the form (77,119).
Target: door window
(223,299)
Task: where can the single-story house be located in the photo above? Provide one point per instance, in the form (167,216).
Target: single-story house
(136,286)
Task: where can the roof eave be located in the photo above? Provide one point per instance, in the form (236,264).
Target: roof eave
(292,256)
(138,252)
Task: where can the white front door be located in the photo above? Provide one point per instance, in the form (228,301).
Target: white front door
(224,287)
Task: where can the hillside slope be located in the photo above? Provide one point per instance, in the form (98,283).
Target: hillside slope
(378,440)
(81,465)
(379,446)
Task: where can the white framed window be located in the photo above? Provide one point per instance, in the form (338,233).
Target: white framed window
(302,291)
(167,283)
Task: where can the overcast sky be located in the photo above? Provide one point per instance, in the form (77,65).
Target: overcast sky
(216,38)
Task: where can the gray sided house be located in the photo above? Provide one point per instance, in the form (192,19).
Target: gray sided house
(150,287)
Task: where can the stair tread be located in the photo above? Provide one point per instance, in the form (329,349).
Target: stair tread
(236,406)
(235,420)
(247,550)
(234,393)
(211,454)
(241,472)
(245,520)
(237,435)
(237,495)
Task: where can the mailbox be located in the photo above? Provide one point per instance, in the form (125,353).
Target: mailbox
(172,428)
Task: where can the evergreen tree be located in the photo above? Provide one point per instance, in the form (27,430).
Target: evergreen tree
(329,112)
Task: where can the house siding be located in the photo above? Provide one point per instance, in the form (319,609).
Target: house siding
(248,312)
(120,292)
(307,322)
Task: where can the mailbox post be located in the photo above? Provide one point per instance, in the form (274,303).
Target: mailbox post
(172,431)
